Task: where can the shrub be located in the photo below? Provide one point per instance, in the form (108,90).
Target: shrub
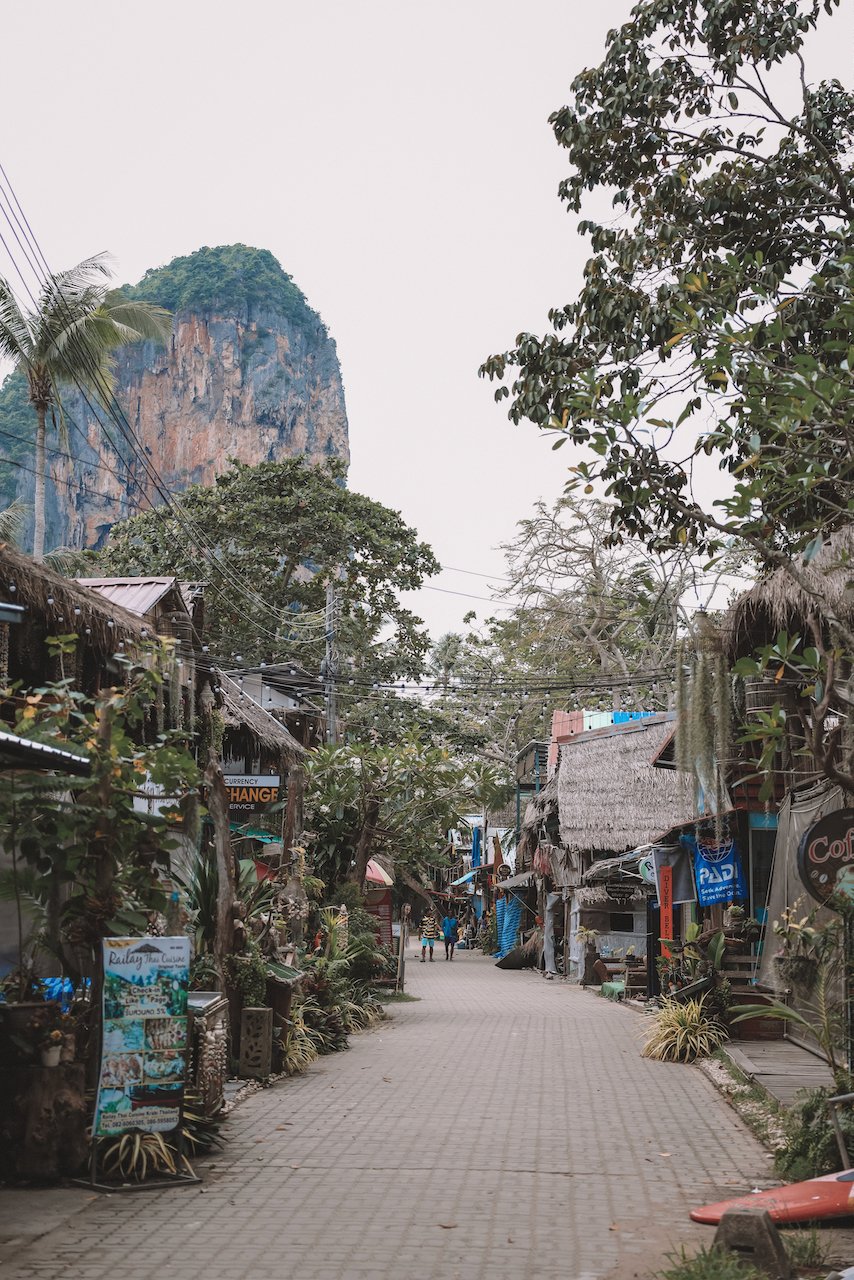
(811,1149)
(709,1264)
(682,1032)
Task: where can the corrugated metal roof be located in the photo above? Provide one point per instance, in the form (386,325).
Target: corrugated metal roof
(137,595)
(41,755)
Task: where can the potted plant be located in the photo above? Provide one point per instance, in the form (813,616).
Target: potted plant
(803,946)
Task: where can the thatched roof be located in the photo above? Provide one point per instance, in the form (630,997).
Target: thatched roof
(242,712)
(611,798)
(778,603)
(63,606)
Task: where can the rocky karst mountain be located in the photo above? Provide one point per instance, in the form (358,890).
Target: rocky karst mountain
(250,372)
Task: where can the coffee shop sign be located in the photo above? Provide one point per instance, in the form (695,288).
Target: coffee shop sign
(249,793)
(826,856)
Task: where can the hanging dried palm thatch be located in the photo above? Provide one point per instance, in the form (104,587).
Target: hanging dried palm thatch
(705,711)
(780,603)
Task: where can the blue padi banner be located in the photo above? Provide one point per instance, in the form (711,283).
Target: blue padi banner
(717,868)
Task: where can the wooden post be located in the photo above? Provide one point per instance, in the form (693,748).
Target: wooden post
(294,811)
(223,947)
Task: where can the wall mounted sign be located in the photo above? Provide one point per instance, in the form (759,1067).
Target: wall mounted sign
(717,867)
(144,1054)
(250,793)
(826,856)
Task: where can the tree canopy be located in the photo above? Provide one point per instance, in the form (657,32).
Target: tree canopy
(268,539)
(233,278)
(715,313)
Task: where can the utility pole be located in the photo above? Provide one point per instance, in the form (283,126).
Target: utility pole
(329,667)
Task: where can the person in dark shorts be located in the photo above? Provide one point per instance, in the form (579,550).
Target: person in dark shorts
(450,933)
(429,934)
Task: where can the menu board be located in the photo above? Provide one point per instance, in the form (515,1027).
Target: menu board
(144,1055)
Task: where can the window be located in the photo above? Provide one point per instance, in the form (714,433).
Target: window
(621,922)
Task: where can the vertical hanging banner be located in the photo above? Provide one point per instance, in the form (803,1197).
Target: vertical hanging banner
(665,899)
(144,1055)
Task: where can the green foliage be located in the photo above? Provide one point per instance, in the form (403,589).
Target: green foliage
(714,1263)
(810,1148)
(275,521)
(683,1031)
(365,799)
(248,973)
(17,441)
(299,1043)
(805,1248)
(723,285)
(233,279)
(95,853)
(199,884)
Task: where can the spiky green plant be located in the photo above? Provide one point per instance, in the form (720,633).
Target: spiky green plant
(683,1032)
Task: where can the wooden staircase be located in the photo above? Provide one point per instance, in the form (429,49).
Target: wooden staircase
(738,970)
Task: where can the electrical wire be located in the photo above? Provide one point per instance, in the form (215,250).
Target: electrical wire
(119,418)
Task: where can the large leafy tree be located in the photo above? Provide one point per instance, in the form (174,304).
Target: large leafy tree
(594,625)
(715,314)
(269,539)
(366,799)
(68,339)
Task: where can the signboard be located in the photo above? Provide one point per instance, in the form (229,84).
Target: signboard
(717,867)
(249,793)
(144,1054)
(826,856)
(378,905)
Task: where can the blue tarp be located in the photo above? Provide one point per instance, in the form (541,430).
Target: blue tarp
(475,846)
(508,915)
(469,875)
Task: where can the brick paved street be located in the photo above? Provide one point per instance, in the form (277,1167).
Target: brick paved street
(504,1127)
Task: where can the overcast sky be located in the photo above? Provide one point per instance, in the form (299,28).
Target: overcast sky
(397,160)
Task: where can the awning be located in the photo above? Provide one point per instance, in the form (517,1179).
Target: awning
(251,833)
(375,874)
(626,864)
(521,881)
(470,875)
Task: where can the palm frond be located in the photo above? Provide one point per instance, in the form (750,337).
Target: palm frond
(142,318)
(12,521)
(69,561)
(16,338)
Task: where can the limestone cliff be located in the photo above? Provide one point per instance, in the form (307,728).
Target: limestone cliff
(250,372)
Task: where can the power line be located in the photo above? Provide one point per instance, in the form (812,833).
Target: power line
(119,418)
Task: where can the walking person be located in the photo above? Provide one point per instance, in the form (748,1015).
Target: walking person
(429,934)
(450,933)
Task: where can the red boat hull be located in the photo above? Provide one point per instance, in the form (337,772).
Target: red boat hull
(829,1197)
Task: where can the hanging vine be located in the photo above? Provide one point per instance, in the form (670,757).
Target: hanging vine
(705,713)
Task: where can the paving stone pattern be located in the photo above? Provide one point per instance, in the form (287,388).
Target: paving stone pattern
(503,1127)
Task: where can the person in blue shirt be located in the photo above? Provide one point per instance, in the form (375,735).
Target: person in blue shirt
(451,933)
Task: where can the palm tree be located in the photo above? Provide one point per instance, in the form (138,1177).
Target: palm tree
(68,340)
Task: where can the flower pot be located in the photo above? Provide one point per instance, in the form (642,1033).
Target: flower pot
(68,1048)
(796,971)
(51,1055)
